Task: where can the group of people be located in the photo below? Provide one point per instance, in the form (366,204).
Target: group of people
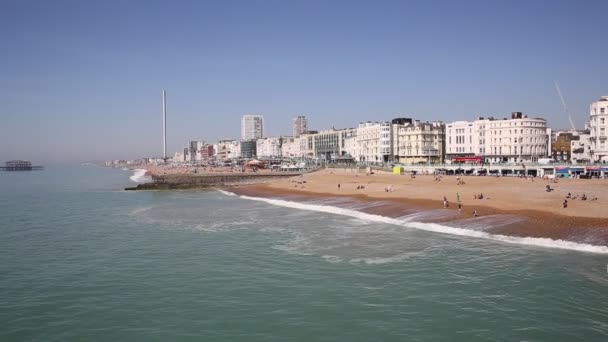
(459,181)
(298,182)
(480,196)
(573,197)
(446,204)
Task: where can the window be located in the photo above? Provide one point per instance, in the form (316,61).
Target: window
(602,110)
(602,121)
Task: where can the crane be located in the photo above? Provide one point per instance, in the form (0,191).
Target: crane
(559,92)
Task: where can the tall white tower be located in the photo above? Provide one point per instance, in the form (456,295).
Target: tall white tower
(165,124)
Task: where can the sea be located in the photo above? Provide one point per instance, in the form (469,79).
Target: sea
(83,260)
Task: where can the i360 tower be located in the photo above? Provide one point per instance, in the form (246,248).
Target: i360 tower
(165,124)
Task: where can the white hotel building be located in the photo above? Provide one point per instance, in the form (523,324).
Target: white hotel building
(518,139)
(269,147)
(401,140)
(598,130)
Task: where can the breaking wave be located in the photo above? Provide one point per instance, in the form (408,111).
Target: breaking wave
(433,227)
(139,176)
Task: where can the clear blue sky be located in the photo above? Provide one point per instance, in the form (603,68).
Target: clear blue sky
(82,80)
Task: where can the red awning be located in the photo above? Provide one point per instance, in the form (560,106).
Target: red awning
(466,159)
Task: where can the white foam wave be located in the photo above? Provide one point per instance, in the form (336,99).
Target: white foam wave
(227,193)
(139,176)
(437,228)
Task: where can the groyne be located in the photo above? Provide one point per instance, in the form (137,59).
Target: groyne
(209,180)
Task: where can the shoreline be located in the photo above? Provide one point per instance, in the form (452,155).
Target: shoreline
(528,220)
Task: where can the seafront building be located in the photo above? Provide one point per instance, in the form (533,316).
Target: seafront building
(227,149)
(492,140)
(292,147)
(328,145)
(580,148)
(368,146)
(248,149)
(252,127)
(269,147)
(418,142)
(401,140)
(598,127)
(300,126)
(515,140)
(561,145)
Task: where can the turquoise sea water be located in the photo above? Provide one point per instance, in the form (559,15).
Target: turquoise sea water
(82,260)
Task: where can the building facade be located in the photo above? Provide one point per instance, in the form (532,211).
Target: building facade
(598,129)
(327,145)
(561,145)
(291,147)
(227,149)
(518,139)
(269,147)
(580,148)
(252,127)
(300,126)
(248,149)
(419,142)
(368,146)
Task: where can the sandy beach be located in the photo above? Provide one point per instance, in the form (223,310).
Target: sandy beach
(526,198)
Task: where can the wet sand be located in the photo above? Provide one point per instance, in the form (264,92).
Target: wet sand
(513,206)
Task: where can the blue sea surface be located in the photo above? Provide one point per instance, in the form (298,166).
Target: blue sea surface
(83,260)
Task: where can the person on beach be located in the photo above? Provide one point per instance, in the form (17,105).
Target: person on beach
(474,213)
(458,197)
(459,207)
(338,185)
(565,204)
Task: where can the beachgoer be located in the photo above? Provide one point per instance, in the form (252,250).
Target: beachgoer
(338,185)
(458,197)
(569,195)
(474,213)
(584,197)
(459,207)
(565,204)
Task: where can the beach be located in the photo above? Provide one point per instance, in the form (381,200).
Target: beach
(541,211)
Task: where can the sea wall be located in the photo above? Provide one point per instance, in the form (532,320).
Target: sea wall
(199,181)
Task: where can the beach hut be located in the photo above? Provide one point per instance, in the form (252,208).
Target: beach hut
(397,170)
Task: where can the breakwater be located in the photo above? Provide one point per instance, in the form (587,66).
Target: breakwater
(208,180)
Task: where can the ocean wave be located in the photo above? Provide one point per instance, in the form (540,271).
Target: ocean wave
(434,227)
(226,193)
(139,176)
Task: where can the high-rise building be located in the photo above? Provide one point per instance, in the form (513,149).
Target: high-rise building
(598,127)
(252,127)
(300,126)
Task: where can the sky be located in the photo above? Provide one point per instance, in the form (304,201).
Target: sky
(82,80)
